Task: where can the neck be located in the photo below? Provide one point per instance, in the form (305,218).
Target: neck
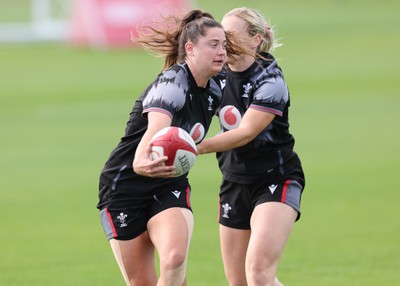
(201,81)
(242,64)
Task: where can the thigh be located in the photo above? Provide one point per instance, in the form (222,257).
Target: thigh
(135,258)
(234,244)
(171,223)
(171,230)
(271,224)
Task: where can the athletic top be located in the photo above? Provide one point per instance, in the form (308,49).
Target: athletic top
(262,87)
(175,93)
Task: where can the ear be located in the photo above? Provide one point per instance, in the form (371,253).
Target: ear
(256,41)
(189,47)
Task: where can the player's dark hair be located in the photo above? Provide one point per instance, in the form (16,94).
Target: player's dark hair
(168,39)
(193,26)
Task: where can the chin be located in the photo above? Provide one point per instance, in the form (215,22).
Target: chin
(219,65)
(216,70)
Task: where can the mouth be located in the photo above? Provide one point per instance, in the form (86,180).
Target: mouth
(220,62)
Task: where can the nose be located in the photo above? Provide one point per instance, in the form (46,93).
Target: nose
(222,50)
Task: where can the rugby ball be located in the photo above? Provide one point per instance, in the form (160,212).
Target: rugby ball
(177,145)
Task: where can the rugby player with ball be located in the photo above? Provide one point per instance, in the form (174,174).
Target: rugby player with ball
(144,206)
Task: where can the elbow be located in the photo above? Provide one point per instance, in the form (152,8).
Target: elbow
(247,138)
(135,167)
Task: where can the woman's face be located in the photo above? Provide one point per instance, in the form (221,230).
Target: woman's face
(238,27)
(208,56)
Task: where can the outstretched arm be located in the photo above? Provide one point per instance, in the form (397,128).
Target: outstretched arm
(253,122)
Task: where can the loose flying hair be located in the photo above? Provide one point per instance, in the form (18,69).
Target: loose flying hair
(256,24)
(168,38)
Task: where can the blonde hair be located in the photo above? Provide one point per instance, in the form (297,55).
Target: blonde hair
(256,24)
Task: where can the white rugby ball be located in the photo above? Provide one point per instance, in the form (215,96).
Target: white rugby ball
(177,145)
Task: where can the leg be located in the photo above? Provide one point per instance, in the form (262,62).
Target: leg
(234,244)
(170,232)
(271,224)
(135,259)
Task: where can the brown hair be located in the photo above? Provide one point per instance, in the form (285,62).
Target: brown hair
(168,39)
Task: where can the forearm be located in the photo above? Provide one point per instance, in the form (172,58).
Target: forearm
(252,124)
(142,164)
(225,141)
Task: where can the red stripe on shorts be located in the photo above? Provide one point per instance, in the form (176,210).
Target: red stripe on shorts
(111,223)
(188,196)
(287,183)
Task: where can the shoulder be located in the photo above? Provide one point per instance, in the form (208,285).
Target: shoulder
(269,72)
(270,82)
(271,87)
(169,88)
(268,65)
(177,75)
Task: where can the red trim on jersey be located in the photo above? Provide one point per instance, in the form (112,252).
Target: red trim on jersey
(188,197)
(111,223)
(287,183)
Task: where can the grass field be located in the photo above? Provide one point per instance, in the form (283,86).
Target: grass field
(62,111)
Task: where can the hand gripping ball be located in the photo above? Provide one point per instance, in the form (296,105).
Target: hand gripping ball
(177,145)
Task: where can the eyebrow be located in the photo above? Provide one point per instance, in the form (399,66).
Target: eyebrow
(216,40)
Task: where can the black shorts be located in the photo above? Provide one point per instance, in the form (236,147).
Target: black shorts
(126,217)
(237,201)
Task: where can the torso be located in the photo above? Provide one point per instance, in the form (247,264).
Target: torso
(175,93)
(262,87)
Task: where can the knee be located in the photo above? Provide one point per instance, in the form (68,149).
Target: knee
(257,277)
(258,274)
(262,278)
(174,260)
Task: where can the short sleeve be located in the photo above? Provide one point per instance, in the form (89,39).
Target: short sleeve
(271,96)
(167,95)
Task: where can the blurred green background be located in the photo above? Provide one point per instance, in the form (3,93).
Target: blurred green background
(63,110)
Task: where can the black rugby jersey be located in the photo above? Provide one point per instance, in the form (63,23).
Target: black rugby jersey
(262,87)
(175,93)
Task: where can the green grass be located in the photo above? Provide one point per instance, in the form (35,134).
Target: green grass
(62,111)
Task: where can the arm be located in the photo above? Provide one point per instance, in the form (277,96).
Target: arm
(142,164)
(253,122)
